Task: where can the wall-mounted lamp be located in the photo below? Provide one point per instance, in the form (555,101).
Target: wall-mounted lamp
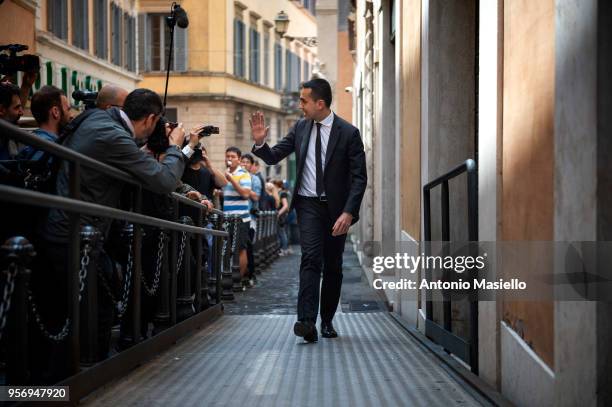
(281,25)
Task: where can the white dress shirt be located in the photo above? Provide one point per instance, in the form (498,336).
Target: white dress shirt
(308,187)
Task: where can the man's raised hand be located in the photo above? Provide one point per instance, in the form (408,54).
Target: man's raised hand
(258,128)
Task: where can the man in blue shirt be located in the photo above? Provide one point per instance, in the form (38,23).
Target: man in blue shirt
(256,187)
(51,109)
(236,196)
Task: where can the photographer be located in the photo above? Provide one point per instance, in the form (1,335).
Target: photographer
(108,136)
(51,109)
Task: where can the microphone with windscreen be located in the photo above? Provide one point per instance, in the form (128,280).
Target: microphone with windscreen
(180,16)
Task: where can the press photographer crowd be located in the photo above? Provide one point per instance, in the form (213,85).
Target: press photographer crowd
(127,131)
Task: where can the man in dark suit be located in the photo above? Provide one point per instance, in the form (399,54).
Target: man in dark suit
(331,181)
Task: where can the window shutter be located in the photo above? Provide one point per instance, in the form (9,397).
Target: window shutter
(144,59)
(180,49)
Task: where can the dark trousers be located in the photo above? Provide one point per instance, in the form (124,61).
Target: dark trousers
(250,256)
(321,252)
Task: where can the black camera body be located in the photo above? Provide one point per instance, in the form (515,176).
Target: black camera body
(88,97)
(207,131)
(13,63)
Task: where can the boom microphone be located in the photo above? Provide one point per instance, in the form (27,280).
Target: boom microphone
(181,16)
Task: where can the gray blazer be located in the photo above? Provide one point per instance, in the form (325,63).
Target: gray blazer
(105,137)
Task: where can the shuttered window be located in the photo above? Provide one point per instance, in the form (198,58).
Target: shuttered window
(278,67)
(266,57)
(57,18)
(254,55)
(116,24)
(101,28)
(129,42)
(80,26)
(154,44)
(239,51)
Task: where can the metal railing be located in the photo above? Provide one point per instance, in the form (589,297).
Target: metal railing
(179,306)
(467,350)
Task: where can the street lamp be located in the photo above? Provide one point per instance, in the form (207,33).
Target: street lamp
(281,24)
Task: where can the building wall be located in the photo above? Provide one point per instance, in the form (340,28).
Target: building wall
(528,150)
(210,80)
(17,22)
(542,85)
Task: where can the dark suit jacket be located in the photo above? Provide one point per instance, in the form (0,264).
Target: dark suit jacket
(345,176)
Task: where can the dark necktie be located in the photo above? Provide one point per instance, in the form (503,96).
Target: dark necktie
(320,188)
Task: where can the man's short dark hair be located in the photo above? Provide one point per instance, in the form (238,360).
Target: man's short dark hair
(249,157)
(234,150)
(43,101)
(320,90)
(140,103)
(7,91)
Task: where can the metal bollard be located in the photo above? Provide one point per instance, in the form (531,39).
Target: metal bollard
(236,277)
(184,303)
(226,271)
(257,258)
(161,320)
(201,282)
(18,252)
(274,235)
(88,277)
(214,281)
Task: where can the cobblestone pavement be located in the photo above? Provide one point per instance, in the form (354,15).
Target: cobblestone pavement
(277,288)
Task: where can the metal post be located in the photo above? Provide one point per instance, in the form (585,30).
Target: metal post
(173,260)
(201,277)
(161,320)
(446,304)
(472,185)
(226,272)
(89,317)
(74,257)
(137,270)
(17,251)
(183,301)
(236,277)
(427,236)
(218,257)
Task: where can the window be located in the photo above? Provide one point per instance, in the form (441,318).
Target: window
(266,53)
(239,50)
(129,62)
(288,70)
(116,35)
(154,45)
(254,55)
(239,121)
(80,26)
(299,71)
(306,71)
(292,72)
(101,28)
(278,67)
(57,18)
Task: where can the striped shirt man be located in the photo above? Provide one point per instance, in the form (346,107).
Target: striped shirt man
(233,203)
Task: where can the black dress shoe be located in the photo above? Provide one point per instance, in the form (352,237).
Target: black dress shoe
(328,331)
(307,330)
